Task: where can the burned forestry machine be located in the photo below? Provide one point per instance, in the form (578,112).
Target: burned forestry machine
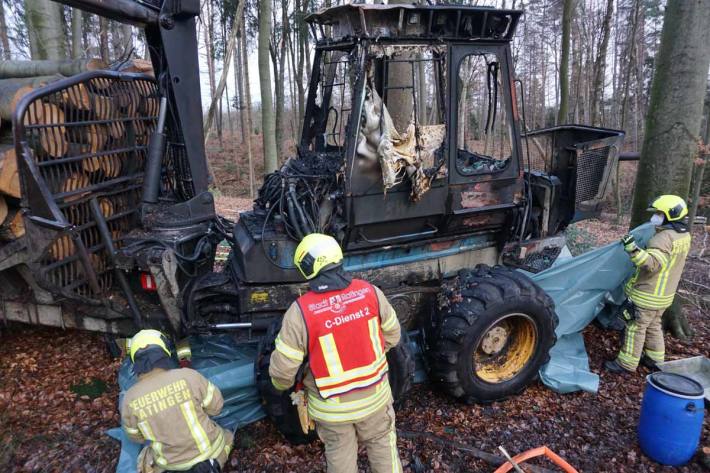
(412,155)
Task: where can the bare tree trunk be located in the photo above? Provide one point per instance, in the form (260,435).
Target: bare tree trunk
(302,53)
(46,33)
(15,69)
(697,186)
(103,39)
(631,50)
(209,52)
(216,97)
(77,49)
(291,57)
(229,112)
(4,40)
(676,105)
(268,125)
(640,58)
(144,40)
(238,86)
(247,94)
(127,33)
(280,89)
(614,120)
(400,102)
(600,66)
(567,12)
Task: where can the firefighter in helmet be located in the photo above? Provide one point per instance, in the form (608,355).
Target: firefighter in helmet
(652,287)
(343,328)
(169,408)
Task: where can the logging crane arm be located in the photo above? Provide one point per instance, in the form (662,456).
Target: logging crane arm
(172,43)
(127,185)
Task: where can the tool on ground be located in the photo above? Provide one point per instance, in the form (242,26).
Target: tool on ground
(510,460)
(537,452)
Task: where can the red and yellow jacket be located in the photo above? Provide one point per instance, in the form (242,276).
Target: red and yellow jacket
(344,335)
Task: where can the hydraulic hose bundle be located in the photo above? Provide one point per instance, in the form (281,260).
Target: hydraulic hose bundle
(301,194)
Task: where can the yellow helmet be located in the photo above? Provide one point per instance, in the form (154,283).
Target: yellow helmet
(146,338)
(672,206)
(315,253)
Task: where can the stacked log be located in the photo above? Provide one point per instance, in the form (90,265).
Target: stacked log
(9,177)
(13,227)
(140,66)
(105,111)
(13,69)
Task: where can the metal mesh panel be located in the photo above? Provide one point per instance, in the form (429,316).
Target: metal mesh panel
(591,165)
(89,139)
(541,148)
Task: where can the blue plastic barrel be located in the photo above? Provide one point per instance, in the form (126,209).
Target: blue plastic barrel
(671,418)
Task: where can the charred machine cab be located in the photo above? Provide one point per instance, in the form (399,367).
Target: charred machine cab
(412,155)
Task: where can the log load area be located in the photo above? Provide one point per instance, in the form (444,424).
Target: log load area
(86,137)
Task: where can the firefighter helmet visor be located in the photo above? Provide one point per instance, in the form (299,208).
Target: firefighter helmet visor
(315,253)
(672,206)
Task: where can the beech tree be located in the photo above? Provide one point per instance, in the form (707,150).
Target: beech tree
(675,110)
(46,29)
(268,122)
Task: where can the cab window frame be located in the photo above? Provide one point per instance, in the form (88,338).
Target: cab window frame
(459,52)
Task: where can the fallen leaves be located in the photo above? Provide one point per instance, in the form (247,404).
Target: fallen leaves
(41,415)
(46,427)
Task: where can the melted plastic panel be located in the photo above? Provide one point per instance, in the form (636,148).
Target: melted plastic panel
(89,140)
(402,130)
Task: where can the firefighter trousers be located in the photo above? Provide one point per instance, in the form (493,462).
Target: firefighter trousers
(376,432)
(643,335)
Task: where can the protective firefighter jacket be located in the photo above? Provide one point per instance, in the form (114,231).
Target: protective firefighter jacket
(170,409)
(658,269)
(344,336)
(335,324)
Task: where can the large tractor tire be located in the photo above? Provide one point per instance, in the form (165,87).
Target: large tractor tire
(283,413)
(401,366)
(278,405)
(490,334)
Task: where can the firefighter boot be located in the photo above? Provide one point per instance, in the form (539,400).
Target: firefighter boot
(614,367)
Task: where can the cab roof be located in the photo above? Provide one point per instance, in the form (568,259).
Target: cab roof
(412,21)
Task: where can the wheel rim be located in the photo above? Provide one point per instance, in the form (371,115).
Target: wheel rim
(505,348)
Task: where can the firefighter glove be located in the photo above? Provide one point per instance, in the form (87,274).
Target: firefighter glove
(629,243)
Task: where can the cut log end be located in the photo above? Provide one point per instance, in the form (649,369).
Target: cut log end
(111,166)
(52,136)
(9,176)
(75,182)
(3,209)
(14,227)
(106,207)
(62,248)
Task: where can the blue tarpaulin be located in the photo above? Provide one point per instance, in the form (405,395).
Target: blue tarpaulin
(580,286)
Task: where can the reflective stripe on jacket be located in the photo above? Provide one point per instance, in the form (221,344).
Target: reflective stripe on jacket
(346,350)
(292,349)
(658,269)
(170,409)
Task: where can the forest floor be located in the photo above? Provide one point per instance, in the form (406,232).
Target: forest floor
(58,396)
